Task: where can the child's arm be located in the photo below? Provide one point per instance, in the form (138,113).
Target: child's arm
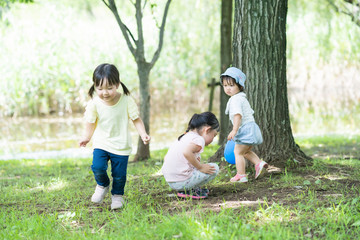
(139,125)
(89,131)
(189,154)
(236,125)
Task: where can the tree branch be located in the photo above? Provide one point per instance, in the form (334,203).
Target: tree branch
(161,35)
(140,42)
(354,17)
(124,29)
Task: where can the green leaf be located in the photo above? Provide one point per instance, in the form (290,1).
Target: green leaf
(307,182)
(356,224)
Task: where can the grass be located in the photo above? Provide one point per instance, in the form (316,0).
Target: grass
(49,199)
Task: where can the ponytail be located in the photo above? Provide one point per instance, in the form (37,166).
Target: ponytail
(91,91)
(125,89)
(198,121)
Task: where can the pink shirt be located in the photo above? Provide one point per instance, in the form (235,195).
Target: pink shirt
(176,167)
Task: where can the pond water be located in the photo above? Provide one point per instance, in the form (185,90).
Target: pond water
(57,137)
(33,138)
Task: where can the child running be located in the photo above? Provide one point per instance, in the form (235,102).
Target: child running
(245,133)
(107,117)
(182,168)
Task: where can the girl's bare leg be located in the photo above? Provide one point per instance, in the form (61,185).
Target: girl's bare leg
(240,152)
(252,157)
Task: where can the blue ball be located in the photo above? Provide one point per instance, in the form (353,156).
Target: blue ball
(229,152)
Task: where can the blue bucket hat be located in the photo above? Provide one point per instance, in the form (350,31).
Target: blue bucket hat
(236,74)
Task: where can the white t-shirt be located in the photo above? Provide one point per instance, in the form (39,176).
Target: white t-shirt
(112,124)
(238,104)
(176,167)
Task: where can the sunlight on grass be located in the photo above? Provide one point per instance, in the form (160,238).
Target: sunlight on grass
(274,213)
(57,184)
(53,185)
(238,204)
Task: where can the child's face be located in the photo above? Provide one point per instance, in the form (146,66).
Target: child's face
(208,134)
(230,87)
(107,93)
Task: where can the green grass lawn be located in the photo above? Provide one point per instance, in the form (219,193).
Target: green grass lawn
(50,199)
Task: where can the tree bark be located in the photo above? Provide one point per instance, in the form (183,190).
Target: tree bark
(259,48)
(226,60)
(143,151)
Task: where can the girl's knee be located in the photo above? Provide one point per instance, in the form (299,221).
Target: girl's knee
(96,168)
(242,149)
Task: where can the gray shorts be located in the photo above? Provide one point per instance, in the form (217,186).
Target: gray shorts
(249,134)
(196,180)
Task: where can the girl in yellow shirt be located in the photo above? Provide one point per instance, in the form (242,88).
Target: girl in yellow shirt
(107,117)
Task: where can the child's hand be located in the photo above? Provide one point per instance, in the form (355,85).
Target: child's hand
(146,139)
(231,135)
(83,142)
(207,168)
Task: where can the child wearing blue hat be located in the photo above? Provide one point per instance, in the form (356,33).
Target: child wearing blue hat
(245,133)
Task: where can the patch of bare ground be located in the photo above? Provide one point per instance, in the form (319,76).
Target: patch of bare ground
(259,192)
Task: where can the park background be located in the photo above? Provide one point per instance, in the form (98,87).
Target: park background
(49,50)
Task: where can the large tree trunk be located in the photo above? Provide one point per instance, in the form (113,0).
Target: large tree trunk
(226,60)
(260,51)
(259,48)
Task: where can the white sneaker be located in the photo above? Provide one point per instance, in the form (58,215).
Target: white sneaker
(99,194)
(117,201)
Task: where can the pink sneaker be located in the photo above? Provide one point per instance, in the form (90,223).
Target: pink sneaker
(260,169)
(239,178)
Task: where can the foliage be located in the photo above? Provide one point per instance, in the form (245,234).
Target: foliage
(350,8)
(57,51)
(49,198)
(46,60)
(4,3)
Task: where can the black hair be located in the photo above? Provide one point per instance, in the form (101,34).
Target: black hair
(198,121)
(110,73)
(229,80)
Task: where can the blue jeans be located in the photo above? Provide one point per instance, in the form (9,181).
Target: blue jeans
(118,170)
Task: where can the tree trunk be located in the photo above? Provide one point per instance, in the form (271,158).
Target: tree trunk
(144,67)
(226,60)
(260,51)
(143,151)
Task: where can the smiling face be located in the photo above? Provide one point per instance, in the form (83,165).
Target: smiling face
(107,93)
(230,87)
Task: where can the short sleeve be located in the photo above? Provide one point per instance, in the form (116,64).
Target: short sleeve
(200,142)
(236,109)
(236,106)
(132,109)
(90,114)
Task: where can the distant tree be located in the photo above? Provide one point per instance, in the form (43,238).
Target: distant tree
(259,49)
(5,5)
(347,7)
(225,61)
(136,47)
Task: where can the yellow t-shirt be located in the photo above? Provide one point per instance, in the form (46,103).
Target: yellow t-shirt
(112,124)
